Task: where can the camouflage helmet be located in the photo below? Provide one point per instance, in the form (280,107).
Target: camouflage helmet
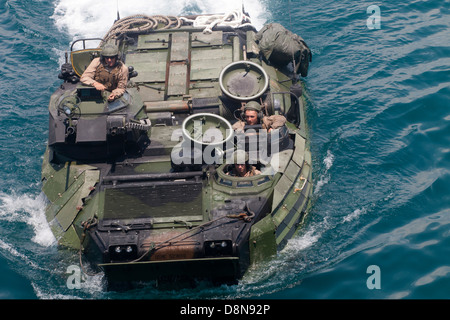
(109,50)
(252,105)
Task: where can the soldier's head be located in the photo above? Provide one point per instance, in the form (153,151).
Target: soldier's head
(252,113)
(240,161)
(109,55)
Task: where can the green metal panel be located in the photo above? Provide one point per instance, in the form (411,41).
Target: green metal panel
(200,39)
(178,69)
(282,212)
(152,92)
(180,46)
(280,190)
(70,239)
(207,64)
(153,41)
(205,89)
(262,242)
(157,164)
(237,56)
(308,157)
(288,225)
(58,178)
(290,212)
(66,207)
(177,84)
(299,152)
(279,163)
(164,139)
(149,72)
(292,171)
(54,181)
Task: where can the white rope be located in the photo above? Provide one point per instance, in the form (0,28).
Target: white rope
(143,23)
(234,19)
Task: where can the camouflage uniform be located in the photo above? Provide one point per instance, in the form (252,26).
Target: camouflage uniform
(268,122)
(238,157)
(115,79)
(252,171)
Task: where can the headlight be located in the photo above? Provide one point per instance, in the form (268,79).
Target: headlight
(122,252)
(218,248)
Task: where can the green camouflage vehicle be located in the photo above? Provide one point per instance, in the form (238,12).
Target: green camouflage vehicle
(141,185)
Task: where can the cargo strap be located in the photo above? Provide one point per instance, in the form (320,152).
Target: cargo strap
(246,216)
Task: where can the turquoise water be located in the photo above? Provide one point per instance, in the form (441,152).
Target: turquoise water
(379,123)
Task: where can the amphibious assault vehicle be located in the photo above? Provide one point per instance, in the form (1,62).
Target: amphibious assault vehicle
(141,185)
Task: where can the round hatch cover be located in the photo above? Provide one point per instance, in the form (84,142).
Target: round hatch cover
(243,80)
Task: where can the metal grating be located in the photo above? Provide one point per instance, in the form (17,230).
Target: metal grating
(173,199)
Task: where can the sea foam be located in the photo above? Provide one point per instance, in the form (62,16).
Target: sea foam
(30,210)
(87,19)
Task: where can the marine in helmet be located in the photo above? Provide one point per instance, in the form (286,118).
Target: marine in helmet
(253,115)
(241,166)
(107,73)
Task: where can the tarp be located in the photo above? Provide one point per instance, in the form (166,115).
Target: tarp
(281,46)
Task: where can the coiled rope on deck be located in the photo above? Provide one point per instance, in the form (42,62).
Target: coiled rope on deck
(141,23)
(234,19)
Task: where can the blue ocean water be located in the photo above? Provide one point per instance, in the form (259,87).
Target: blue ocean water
(379,124)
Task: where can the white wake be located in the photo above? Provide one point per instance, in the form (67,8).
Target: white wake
(90,19)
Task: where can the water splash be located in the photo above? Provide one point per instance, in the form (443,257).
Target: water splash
(30,210)
(84,18)
(325,176)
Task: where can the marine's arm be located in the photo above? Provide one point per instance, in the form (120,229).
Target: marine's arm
(87,77)
(274,122)
(122,84)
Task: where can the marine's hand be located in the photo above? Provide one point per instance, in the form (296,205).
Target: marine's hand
(99,86)
(112,97)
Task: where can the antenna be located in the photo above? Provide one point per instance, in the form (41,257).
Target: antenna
(294,76)
(118,15)
(290,18)
(243,9)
